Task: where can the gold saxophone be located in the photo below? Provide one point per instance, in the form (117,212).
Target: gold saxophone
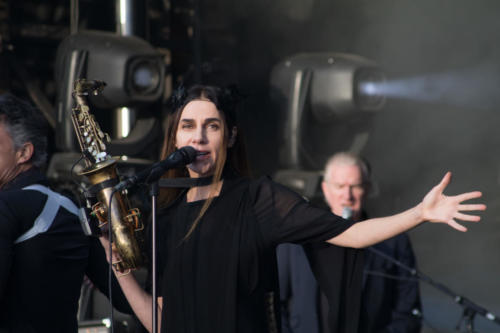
(101,171)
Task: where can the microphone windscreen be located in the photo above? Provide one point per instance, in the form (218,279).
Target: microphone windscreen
(190,154)
(347,213)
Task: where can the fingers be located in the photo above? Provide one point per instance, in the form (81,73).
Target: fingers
(452,206)
(468,218)
(471,207)
(444,182)
(104,241)
(467,196)
(457,226)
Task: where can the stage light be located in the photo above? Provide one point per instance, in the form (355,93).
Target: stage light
(134,73)
(315,90)
(144,77)
(368,91)
(132,69)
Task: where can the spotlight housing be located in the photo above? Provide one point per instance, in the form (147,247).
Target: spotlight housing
(314,93)
(134,73)
(132,69)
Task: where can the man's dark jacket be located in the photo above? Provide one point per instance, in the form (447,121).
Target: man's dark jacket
(386,286)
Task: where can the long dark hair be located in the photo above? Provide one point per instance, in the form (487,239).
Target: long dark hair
(231,159)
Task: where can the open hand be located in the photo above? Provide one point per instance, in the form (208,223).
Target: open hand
(437,207)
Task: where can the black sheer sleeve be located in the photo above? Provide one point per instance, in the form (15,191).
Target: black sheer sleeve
(285,217)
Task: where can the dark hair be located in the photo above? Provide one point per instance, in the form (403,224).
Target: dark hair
(24,123)
(226,100)
(231,159)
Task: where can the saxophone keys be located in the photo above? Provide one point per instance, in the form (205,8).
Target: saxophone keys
(101,156)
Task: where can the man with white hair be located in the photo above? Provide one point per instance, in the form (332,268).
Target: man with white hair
(390,296)
(383,299)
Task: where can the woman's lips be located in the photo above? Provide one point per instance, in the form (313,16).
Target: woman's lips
(202,155)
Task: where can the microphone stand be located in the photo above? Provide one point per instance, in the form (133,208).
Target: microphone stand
(470,309)
(153,191)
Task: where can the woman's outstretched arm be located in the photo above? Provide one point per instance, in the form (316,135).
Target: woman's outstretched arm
(435,207)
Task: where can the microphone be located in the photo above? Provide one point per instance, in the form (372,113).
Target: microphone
(178,158)
(347,213)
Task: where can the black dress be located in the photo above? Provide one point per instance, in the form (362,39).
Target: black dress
(223,278)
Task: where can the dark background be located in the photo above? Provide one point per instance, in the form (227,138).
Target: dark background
(442,56)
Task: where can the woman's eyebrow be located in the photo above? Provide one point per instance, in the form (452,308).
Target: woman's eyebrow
(212,119)
(205,121)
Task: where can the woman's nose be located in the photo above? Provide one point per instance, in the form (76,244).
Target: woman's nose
(199,136)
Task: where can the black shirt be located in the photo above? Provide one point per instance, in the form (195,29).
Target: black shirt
(40,278)
(223,278)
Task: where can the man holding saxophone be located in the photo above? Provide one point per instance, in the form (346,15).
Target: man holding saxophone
(44,253)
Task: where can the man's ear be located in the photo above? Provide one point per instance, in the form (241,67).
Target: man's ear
(25,153)
(232,139)
(324,187)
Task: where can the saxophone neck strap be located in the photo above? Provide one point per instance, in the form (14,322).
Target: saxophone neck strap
(185,182)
